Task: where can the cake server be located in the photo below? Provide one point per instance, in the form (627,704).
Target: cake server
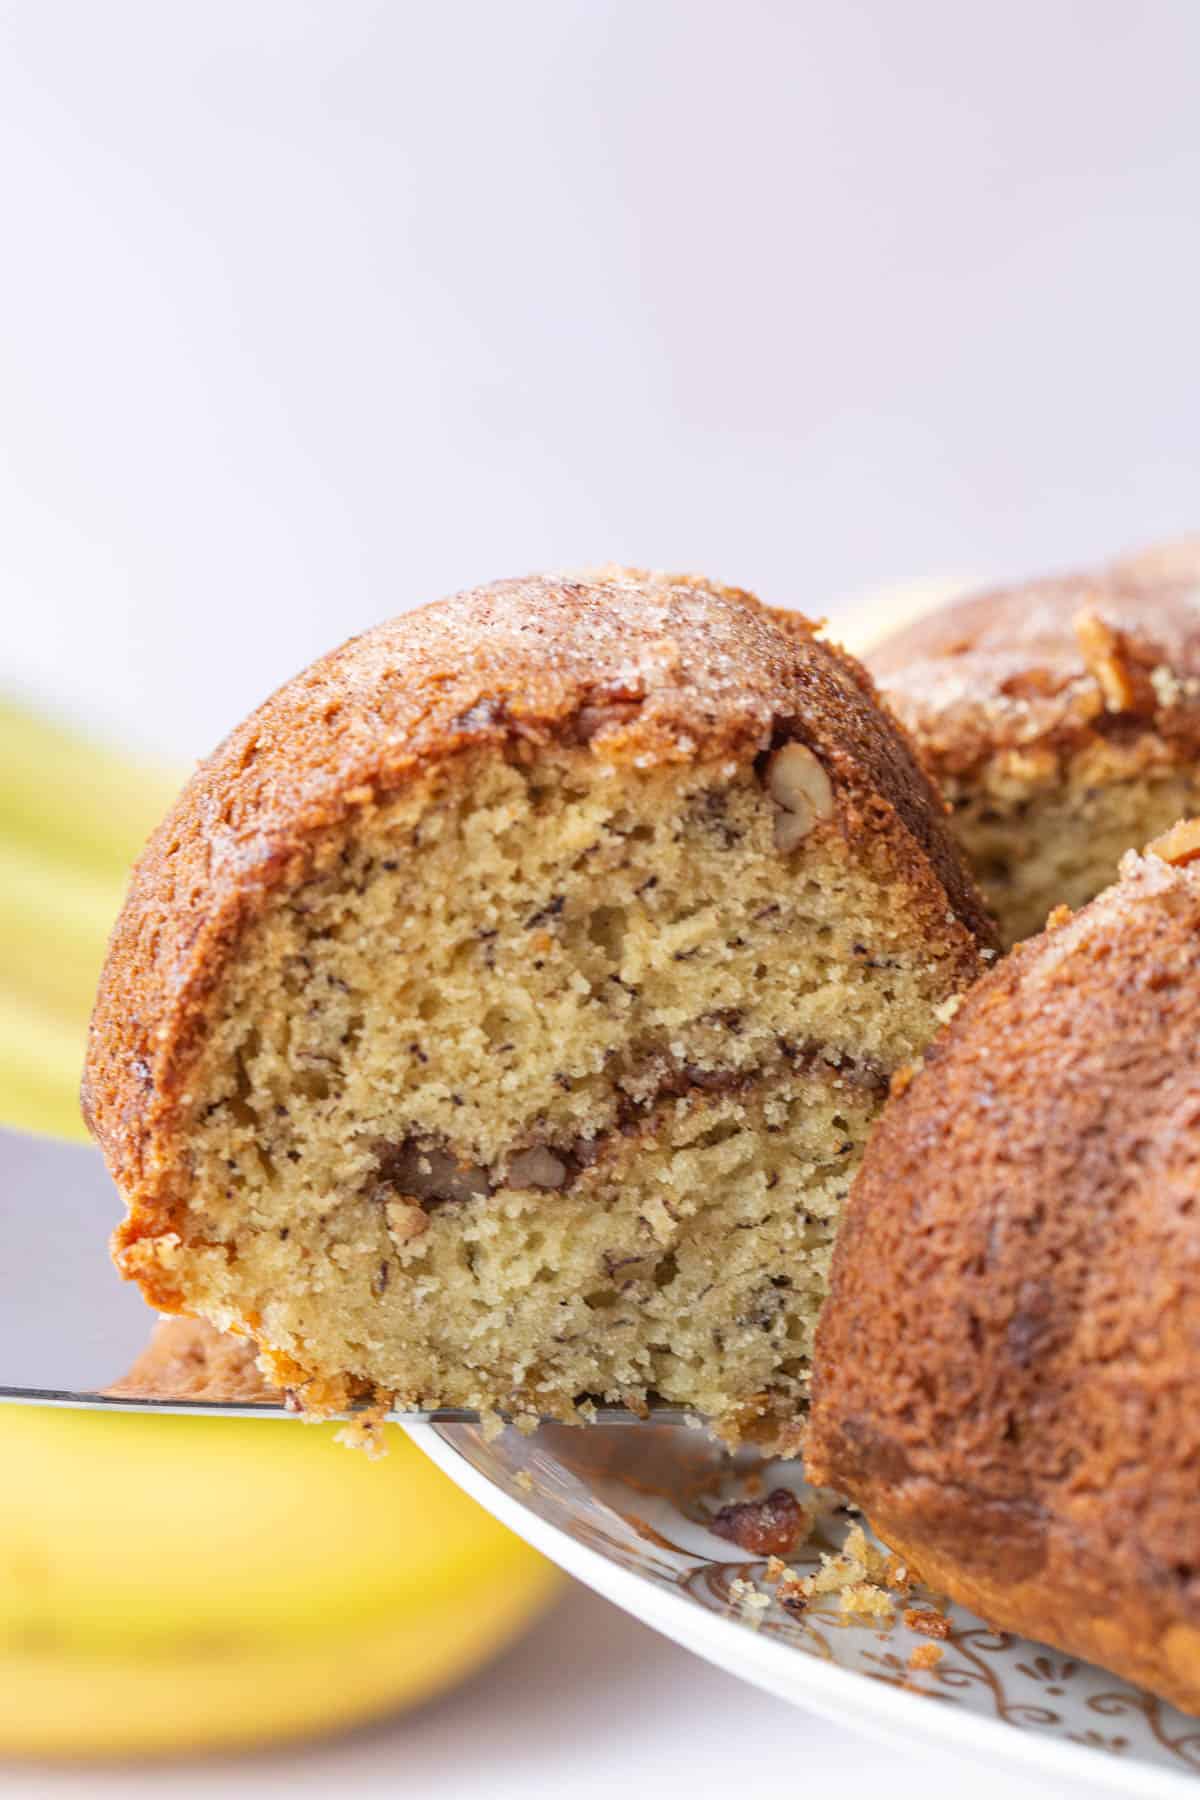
(69,1326)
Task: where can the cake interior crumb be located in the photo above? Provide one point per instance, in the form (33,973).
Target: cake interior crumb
(578,1125)
(1048,835)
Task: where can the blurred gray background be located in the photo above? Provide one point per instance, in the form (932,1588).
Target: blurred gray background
(311,312)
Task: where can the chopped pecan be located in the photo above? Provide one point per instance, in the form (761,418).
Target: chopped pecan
(605,715)
(1180,845)
(1113,665)
(537,1168)
(802,792)
(772,1527)
(426,1174)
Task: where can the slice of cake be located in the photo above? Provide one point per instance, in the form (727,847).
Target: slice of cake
(1062,721)
(499,1016)
(1008,1365)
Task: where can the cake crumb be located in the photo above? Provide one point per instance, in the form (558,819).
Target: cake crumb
(875,1561)
(866,1600)
(904,1076)
(898,1575)
(364,1433)
(750,1599)
(863,1577)
(525,1481)
(926,1656)
(793,1593)
(924,1619)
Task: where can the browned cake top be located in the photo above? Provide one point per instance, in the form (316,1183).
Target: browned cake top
(638,669)
(1012,1346)
(1054,663)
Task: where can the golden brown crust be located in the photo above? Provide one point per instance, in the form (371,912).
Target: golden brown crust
(639,669)
(1058,665)
(1007,1367)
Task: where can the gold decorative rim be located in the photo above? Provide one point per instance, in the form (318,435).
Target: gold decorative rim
(644,1500)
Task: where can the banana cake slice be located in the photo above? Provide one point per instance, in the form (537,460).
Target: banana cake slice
(498,1017)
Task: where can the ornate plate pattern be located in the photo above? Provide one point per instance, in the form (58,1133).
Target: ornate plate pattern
(627,1511)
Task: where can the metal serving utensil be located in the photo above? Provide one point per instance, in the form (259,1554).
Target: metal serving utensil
(69,1326)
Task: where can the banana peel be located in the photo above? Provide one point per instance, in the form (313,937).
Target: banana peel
(170,1585)
(73,817)
(78,801)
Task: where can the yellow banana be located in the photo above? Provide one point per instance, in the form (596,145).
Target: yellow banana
(171,1584)
(55,918)
(66,795)
(73,816)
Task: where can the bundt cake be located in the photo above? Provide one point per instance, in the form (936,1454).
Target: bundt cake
(499,1015)
(1062,721)
(1008,1365)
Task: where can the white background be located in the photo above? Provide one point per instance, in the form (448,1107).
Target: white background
(311,312)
